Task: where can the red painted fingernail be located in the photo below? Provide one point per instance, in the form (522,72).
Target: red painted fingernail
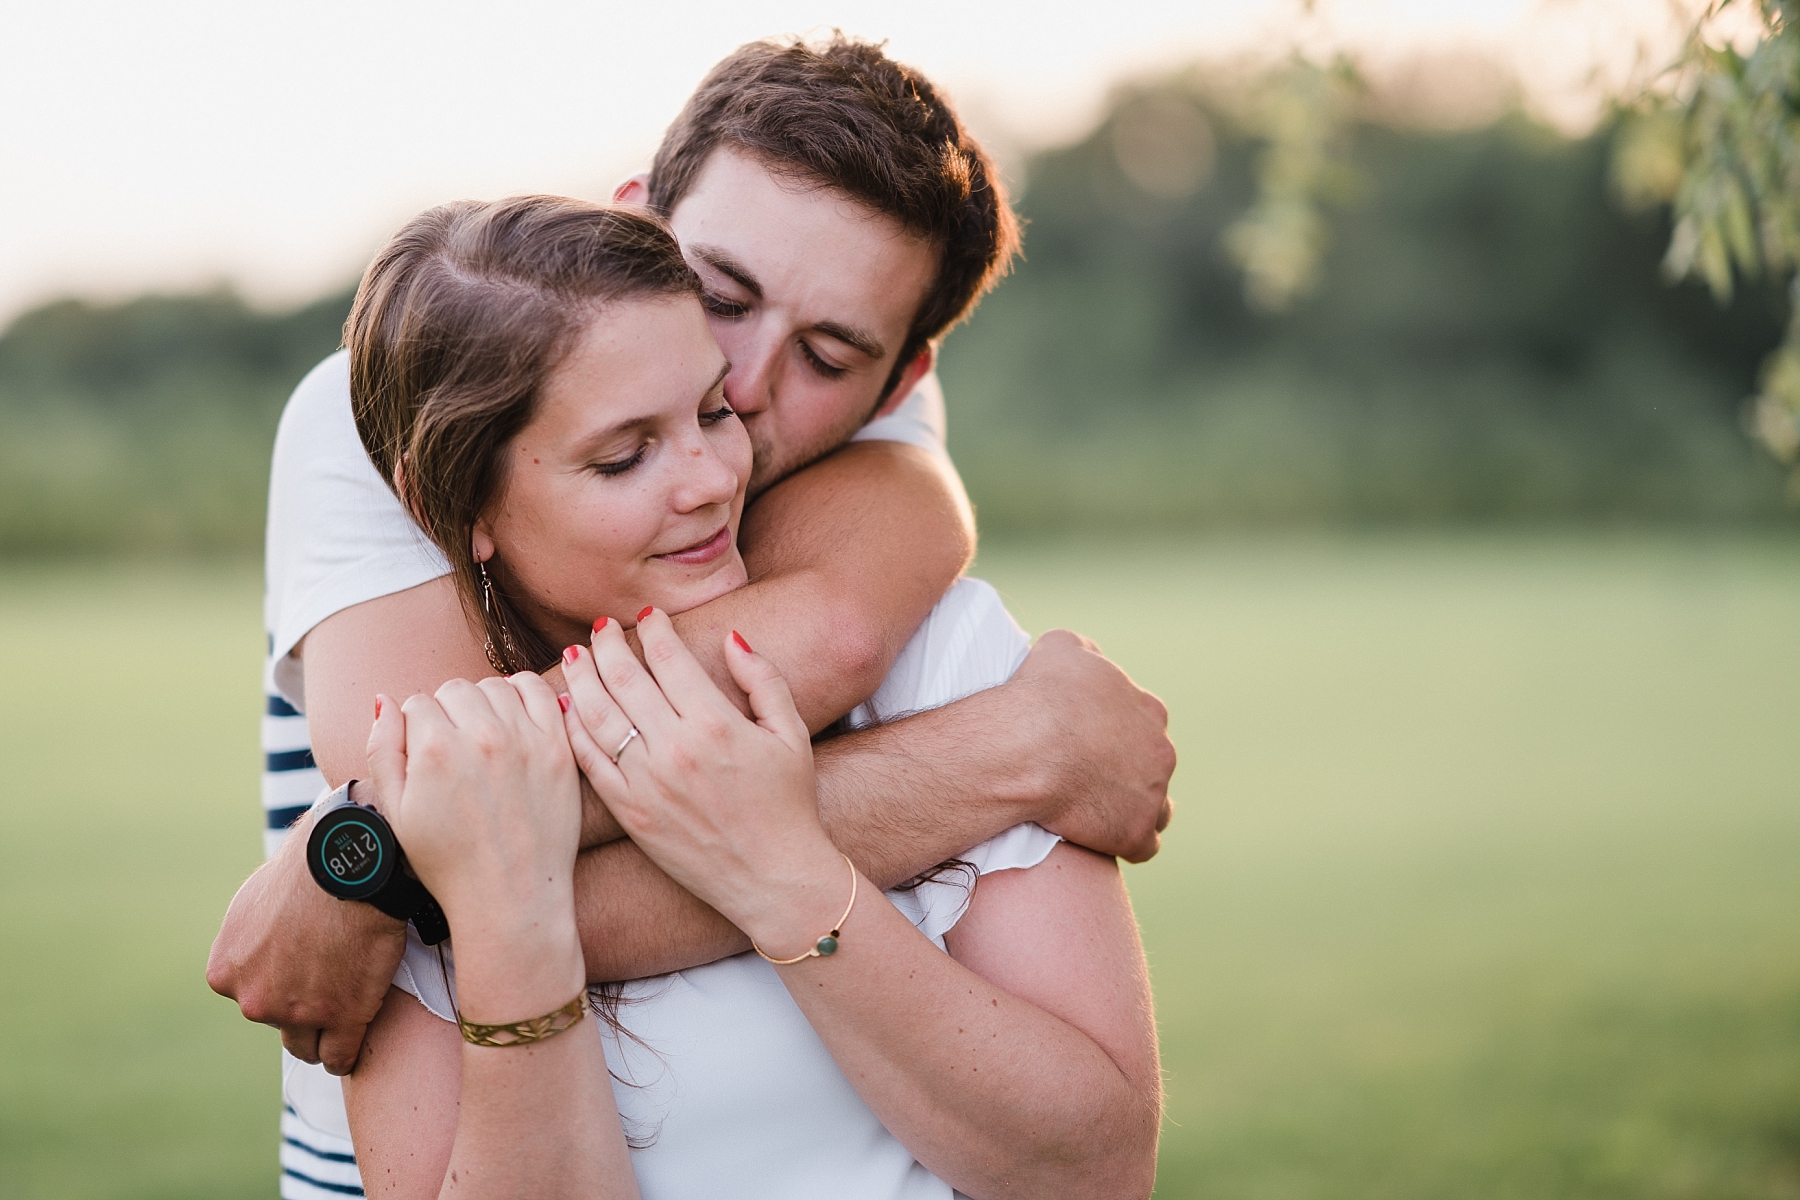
(378,708)
(600,623)
(562,702)
(742,644)
(571,653)
(648,609)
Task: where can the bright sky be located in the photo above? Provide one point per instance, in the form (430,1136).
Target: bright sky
(172,144)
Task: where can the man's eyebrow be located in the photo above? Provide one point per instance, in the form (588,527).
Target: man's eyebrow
(728,266)
(721,261)
(855,338)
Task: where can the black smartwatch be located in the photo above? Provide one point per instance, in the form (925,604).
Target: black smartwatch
(353,854)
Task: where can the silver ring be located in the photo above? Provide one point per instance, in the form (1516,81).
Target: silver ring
(623,744)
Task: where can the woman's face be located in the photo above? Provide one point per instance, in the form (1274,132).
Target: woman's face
(626,486)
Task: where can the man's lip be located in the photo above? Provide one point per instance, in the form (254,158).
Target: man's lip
(701,552)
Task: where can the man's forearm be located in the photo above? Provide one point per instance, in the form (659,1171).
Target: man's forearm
(846,559)
(898,799)
(902,797)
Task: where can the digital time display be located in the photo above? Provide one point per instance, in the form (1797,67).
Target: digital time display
(352,853)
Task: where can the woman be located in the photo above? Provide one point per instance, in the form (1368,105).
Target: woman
(537,381)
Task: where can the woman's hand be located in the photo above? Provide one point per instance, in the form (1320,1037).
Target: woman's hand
(725,806)
(483,794)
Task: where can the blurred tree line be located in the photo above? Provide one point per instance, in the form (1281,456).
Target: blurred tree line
(1230,313)
(1280,311)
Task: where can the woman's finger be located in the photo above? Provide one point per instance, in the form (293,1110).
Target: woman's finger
(590,703)
(387,753)
(630,686)
(603,774)
(770,699)
(504,701)
(539,701)
(690,690)
(463,703)
(426,723)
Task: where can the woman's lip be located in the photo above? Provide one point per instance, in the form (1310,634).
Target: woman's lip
(701,552)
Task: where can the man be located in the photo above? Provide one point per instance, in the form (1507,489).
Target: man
(841,220)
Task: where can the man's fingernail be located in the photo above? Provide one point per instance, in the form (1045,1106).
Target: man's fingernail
(742,644)
(571,653)
(648,609)
(600,623)
(562,702)
(378,708)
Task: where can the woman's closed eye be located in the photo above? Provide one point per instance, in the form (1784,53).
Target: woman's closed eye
(718,414)
(619,466)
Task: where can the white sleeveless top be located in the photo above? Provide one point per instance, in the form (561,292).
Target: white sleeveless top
(726,1081)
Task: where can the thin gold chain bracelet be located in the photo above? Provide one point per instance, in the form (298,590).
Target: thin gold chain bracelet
(522,1033)
(826,946)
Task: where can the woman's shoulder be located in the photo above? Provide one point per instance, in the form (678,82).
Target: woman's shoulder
(939,902)
(967,644)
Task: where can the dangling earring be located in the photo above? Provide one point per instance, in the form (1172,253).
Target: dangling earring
(487,606)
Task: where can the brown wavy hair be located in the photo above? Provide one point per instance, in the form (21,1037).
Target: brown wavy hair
(456,326)
(843,114)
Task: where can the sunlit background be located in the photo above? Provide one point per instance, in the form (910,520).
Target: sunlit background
(1349,394)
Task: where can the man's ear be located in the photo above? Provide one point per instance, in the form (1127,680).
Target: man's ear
(403,489)
(635,190)
(916,370)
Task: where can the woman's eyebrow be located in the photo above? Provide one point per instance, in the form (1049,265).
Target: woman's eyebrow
(585,447)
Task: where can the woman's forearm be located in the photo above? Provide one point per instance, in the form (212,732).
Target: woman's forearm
(992,1092)
(434,1117)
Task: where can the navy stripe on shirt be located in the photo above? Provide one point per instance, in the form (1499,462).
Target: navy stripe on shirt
(281,708)
(281,818)
(288,760)
(327,1155)
(348,1189)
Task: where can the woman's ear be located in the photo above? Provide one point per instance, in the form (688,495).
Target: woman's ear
(481,542)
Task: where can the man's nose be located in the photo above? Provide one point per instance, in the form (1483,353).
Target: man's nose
(749,388)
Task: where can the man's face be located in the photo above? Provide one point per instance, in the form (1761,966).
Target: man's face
(809,294)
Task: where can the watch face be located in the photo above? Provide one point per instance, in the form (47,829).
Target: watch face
(352,852)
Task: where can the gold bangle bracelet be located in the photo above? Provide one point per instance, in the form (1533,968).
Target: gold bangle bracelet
(521,1033)
(826,946)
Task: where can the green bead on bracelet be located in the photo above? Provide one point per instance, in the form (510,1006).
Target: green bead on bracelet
(826,946)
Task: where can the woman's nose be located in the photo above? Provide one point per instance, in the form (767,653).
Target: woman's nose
(706,478)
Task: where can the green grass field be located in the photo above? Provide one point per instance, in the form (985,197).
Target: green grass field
(1484,880)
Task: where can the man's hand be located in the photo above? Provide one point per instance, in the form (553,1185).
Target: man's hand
(313,966)
(1106,746)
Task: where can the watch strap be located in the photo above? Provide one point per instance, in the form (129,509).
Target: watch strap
(406,899)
